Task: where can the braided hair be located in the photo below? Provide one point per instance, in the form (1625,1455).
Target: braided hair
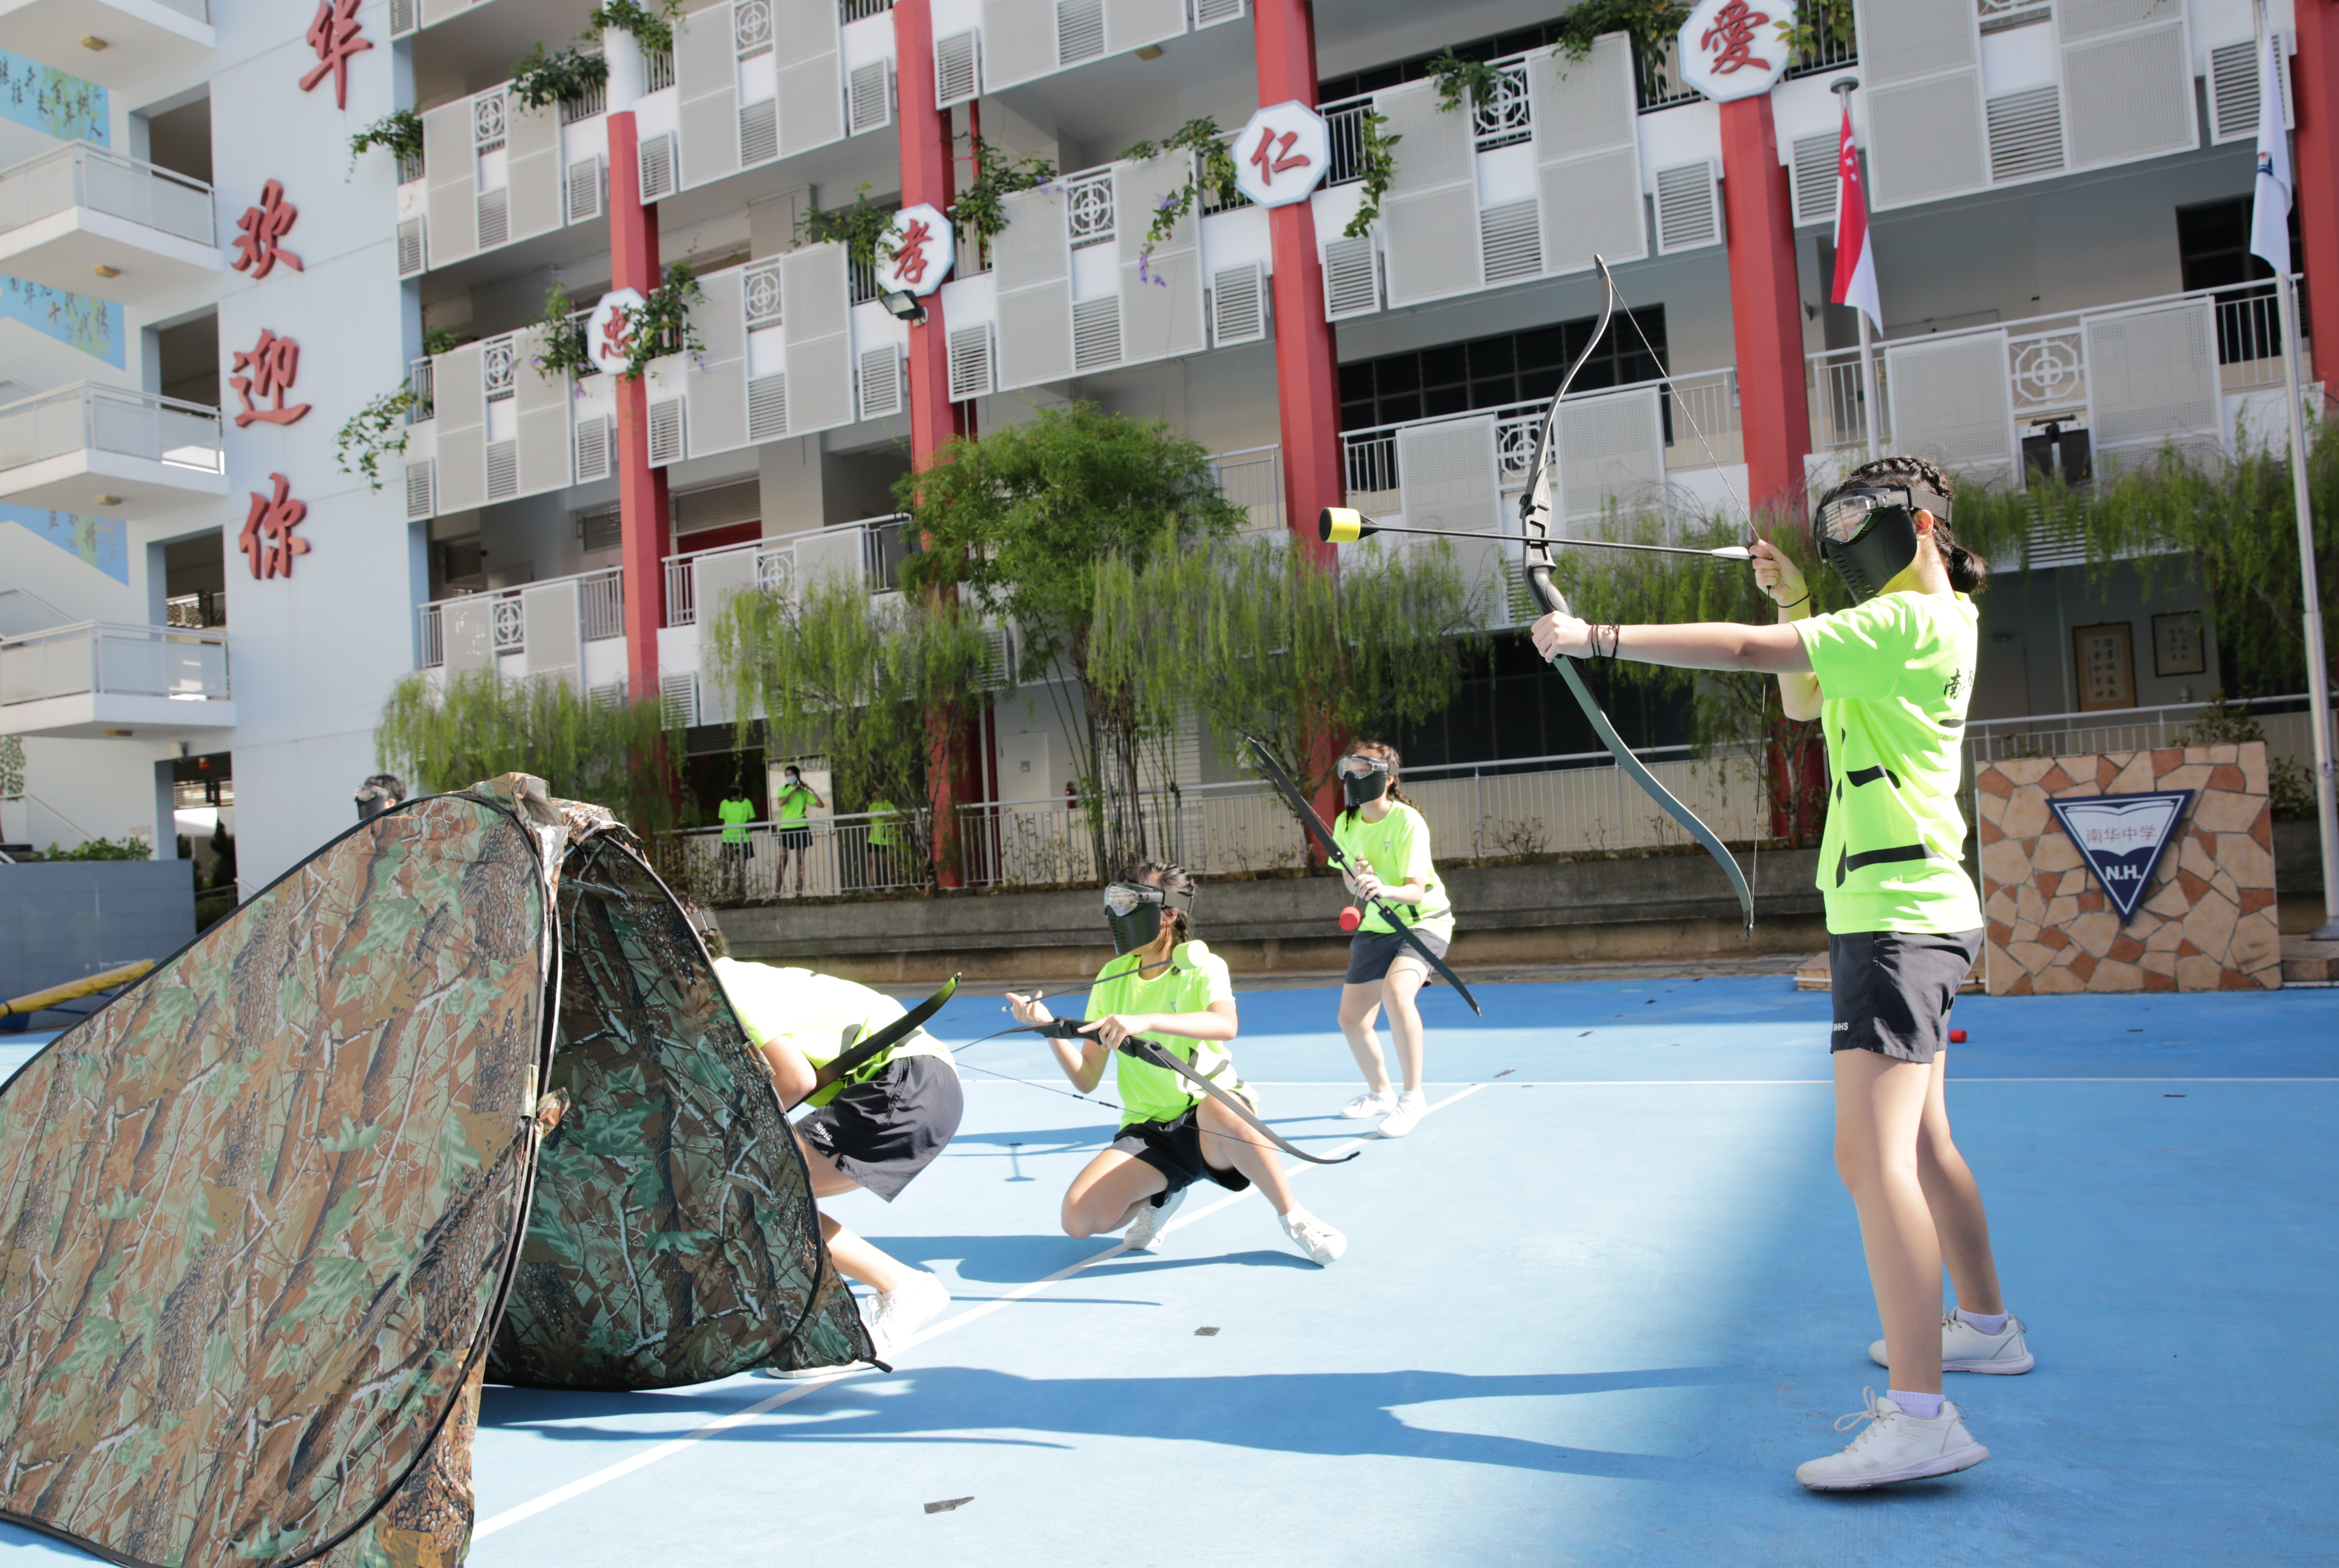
(1966,570)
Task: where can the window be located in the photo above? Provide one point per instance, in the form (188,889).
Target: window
(1493,372)
(2213,248)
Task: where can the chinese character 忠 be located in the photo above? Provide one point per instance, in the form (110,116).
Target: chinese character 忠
(335,36)
(910,256)
(617,329)
(1729,40)
(1273,154)
(261,245)
(273,362)
(267,538)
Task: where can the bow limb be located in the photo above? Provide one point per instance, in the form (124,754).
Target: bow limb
(1534,521)
(1145,1050)
(857,1056)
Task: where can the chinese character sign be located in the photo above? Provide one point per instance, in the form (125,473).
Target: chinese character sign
(1734,49)
(1281,154)
(266,370)
(259,244)
(267,540)
(609,329)
(334,36)
(917,253)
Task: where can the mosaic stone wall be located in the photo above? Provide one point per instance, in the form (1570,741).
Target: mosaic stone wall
(2207,921)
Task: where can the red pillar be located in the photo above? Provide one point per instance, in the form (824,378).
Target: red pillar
(644,539)
(1307,368)
(1765,305)
(2314,98)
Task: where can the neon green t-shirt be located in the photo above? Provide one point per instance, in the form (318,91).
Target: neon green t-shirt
(884,818)
(1895,677)
(1396,848)
(795,802)
(819,1014)
(1195,979)
(735,814)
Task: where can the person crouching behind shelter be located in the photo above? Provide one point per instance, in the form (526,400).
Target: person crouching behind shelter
(1164,986)
(875,1130)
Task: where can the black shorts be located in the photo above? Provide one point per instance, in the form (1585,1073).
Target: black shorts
(797,838)
(1370,953)
(883,1131)
(1893,988)
(1175,1149)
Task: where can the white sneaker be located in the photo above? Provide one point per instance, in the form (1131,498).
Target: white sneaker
(1144,1232)
(1316,1238)
(1411,1107)
(1897,1446)
(895,1316)
(1366,1105)
(1965,1348)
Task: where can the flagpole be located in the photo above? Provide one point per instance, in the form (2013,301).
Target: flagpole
(1871,428)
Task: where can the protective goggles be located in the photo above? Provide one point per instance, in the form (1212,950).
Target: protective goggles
(1359,767)
(1844,518)
(1122,898)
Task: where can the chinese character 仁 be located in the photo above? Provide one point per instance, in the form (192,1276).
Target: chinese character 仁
(1273,154)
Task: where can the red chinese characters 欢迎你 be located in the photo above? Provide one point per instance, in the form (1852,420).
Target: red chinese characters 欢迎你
(265,370)
(267,538)
(259,245)
(335,36)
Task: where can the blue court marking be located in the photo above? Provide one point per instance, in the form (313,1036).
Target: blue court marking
(1594,1320)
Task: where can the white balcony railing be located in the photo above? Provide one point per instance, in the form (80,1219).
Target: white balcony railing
(108,658)
(601,610)
(85,417)
(82,175)
(1253,479)
(876,548)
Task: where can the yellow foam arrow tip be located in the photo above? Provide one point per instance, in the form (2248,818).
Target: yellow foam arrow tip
(1341,526)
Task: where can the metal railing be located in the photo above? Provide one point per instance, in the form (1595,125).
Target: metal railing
(601,610)
(1253,479)
(1346,123)
(657,70)
(82,175)
(115,658)
(190,795)
(777,567)
(87,417)
(422,379)
(851,10)
(816,857)
(2287,721)
(198,611)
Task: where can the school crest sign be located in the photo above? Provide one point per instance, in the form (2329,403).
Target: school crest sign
(2121,838)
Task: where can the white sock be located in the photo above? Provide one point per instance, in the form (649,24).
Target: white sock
(1992,1323)
(1923,1406)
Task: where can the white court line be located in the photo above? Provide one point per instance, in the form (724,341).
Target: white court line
(699,1434)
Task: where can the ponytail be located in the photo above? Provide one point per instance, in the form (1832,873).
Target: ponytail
(1968,571)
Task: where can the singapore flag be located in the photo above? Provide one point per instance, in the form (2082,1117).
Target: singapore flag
(1855,261)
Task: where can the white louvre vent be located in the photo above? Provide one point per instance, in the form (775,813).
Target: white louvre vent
(418,491)
(665,433)
(970,361)
(603,528)
(882,393)
(1080,30)
(869,97)
(2234,91)
(409,247)
(609,697)
(767,407)
(495,218)
(592,451)
(1814,176)
(2129,96)
(1095,333)
(957,75)
(1351,281)
(585,190)
(1211,12)
(2025,134)
(679,699)
(1238,305)
(1688,215)
(1510,238)
(759,132)
(503,471)
(658,166)
(405,15)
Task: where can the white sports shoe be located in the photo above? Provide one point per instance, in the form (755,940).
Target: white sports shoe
(1316,1238)
(896,1315)
(1965,1348)
(1144,1232)
(1896,1446)
(1366,1105)
(1411,1107)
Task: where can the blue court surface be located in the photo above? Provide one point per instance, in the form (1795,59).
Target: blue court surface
(1594,1311)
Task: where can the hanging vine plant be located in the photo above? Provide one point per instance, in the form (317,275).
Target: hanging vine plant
(542,80)
(652,25)
(660,325)
(400,134)
(1461,82)
(561,350)
(1380,170)
(981,209)
(861,228)
(1211,168)
(375,432)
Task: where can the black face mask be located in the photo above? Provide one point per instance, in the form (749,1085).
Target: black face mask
(1363,779)
(1870,536)
(1135,910)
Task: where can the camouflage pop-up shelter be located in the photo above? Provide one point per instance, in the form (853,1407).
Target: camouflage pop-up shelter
(263,1217)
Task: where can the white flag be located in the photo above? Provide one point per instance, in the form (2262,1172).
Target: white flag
(2270,212)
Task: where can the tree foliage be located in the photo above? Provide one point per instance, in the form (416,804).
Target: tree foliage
(478,727)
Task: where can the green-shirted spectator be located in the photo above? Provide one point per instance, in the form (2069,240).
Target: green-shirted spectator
(886,835)
(735,811)
(793,810)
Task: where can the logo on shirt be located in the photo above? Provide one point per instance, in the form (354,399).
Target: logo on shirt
(2122,838)
(1956,684)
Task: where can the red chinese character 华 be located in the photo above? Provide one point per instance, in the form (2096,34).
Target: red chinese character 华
(335,36)
(273,362)
(267,538)
(910,256)
(1273,154)
(1730,39)
(259,246)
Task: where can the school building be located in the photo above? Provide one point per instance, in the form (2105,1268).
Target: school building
(201,289)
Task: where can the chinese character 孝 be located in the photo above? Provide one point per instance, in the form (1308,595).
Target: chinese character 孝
(910,256)
(267,538)
(1730,39)
(335,36)
(272,363)
(1273,156)
(260,246)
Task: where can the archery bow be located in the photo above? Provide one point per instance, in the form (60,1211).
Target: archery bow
(1322,834)
(854,1057)
(1534,518)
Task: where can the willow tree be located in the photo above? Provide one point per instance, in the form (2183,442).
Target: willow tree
(477,727)
(1021,521)
(833,670)
(1263,642)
